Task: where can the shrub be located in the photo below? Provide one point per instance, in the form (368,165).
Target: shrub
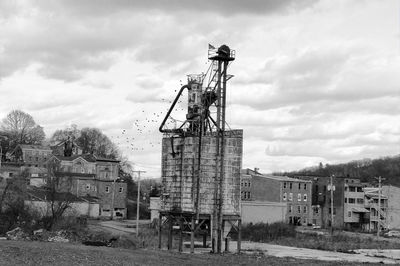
(263,232)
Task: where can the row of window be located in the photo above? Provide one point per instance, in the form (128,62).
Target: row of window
(36,158)
(353,189)
(354,201)
(120,189)
(298,209)
(245,195)
(37,153)
(300,185)
(291,197)
(245,183)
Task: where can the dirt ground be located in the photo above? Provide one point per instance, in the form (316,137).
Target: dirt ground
(45,253)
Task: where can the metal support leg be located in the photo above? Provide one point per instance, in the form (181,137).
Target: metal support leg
(192,236)
(180,234)
(239,240)
(170,232)
(159,230)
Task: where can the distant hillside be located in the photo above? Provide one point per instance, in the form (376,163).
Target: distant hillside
(365,169)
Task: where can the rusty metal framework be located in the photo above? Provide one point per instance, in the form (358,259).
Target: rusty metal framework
(205,119)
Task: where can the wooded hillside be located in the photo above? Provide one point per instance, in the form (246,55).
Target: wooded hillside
(365,169)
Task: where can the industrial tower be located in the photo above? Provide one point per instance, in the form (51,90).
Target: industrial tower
(201,160)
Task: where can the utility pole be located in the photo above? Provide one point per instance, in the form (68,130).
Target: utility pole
(332,188)
(138,201)
(379,204)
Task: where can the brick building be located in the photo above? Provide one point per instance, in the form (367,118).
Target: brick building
(87,175)
(348,202)
(294,193)
(31,155)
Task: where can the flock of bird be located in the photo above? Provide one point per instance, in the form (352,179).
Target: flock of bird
(144,133)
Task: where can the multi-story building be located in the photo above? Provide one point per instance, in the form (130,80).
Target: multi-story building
(348,202)
(294,193)
(87,175)
(31,155)
(377,213)
(392,194)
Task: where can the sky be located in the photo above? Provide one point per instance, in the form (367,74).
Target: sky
(314,81)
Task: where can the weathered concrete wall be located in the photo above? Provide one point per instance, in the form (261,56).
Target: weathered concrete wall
(154,207)
(263,212)
(180,171)
(393,210)
(265,189)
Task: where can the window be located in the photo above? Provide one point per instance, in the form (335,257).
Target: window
(290,208)
(345,200)
(107,189)
(290,196)
(299,209)
(284,196)
(305,186)
(352,189)
(359,189)
(290,185)
(324,188)
(304,209)
(121,189)
(284,184)
(351,200)
(299,197)
(305,197)
(299,186)
(360,201)
(349,214)
(316,210)
(87,186)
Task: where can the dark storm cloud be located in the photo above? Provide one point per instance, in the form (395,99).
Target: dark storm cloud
(64,50)
(224,7)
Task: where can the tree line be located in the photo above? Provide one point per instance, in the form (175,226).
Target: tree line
(366,170)
(19,127)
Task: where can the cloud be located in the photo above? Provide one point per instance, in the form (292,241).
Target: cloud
(321,75)
(223,7)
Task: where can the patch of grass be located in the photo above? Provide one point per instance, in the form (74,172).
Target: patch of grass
(286,235)
(338,242)
(261,232)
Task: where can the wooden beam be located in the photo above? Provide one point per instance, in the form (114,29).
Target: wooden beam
(159,230)
(192,229)
(239,240)
(180,234)
(170,233)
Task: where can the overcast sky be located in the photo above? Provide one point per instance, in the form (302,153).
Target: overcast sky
(315,81)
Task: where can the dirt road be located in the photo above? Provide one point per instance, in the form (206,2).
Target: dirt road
(382,256)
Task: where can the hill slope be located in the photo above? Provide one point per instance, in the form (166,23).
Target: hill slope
(365,169)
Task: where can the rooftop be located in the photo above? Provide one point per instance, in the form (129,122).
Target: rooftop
(274,177)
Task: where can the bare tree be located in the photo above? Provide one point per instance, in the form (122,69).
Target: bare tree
(62,134)
(20,128)
(58,197)
(93,141)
